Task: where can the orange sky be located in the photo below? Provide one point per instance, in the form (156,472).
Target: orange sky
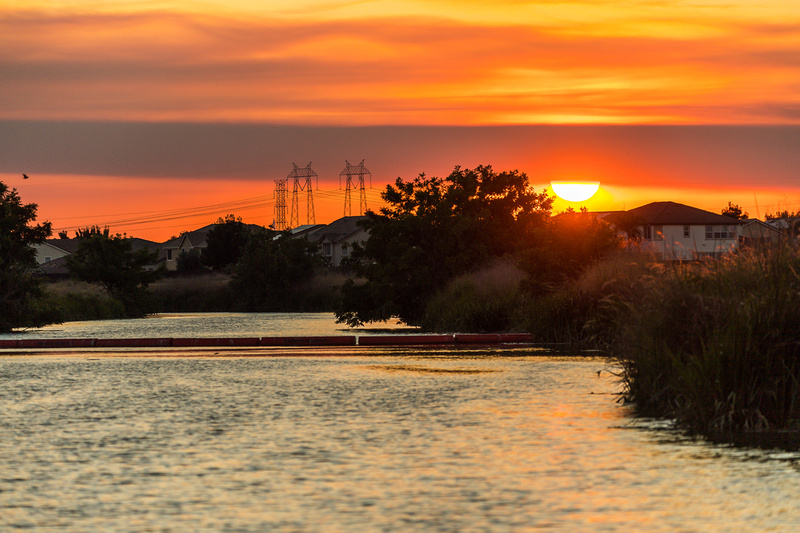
(102,101)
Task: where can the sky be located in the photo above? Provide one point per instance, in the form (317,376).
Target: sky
(155,117)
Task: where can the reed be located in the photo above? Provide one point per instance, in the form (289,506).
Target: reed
(716,345)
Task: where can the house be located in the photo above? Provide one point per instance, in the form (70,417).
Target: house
(755,232)
(789,225)
(191,240)
(674,231)
(52,254)
(52,249)
(186,242)
(336,240)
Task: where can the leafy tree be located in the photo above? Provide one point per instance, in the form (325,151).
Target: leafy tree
(189,261)
(433,229)
(734,211)
(110,261)
(225,242)
(19,284)
(270,266)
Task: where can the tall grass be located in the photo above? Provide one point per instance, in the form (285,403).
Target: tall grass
(583,311)
(485,300)
(68,301)
(716,345)
(207,292)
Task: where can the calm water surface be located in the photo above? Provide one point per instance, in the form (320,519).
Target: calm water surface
(205,325)
(369,440)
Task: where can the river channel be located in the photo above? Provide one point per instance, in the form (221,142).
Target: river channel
(502,438)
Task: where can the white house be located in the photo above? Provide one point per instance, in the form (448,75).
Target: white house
(674,231)
(52,249)
(336,240)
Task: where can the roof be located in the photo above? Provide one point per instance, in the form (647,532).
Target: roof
(56,267)
(66,245)
(338,229)
(673,214)
(197,238)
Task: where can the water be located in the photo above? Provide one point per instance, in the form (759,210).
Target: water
(187,325)
(369,440)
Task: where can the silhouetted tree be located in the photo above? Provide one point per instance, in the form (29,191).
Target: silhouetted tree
(110,261)
(433,229)
(270,266)
(734,211)
(225,242)
(19,283)
(189,261)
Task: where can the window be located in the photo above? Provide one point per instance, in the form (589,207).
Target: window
(326,249)
(345,249)
(169,255)
(654,233)
(47,259)
(720,232)
(686,232)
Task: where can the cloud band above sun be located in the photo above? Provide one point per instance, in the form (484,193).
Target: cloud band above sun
(402,62)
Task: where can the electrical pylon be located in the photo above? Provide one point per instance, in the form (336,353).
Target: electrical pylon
(280,205)
(350,172)
(302,182)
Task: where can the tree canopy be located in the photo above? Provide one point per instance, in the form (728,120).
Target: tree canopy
(19,283)
(110,261)
(734,211)
(225,242)
(270,266)
(433,229)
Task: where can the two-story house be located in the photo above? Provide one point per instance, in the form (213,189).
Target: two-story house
(673,231)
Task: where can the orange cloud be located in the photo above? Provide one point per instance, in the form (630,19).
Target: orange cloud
(410,66)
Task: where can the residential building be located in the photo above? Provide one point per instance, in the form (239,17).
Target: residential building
(52,254)
(755,232)
(674,231)
(336,239)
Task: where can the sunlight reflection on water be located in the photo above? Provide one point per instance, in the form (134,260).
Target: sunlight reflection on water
(381,442)
(187,325)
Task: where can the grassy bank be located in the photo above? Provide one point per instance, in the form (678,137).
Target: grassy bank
(209,292)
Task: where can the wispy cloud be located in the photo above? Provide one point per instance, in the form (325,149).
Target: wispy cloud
(413,66)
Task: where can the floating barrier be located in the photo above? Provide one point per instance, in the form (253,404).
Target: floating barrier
(397,340)
(332,340)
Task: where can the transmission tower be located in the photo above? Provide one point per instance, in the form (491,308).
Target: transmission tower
(280,205)
(349,173)
(302,182)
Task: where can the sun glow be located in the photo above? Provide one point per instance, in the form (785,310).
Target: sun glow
(575,191)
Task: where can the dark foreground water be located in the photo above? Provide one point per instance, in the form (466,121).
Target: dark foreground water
(354,439)
(393,441)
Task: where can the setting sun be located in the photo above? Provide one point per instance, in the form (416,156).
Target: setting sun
(575,191)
